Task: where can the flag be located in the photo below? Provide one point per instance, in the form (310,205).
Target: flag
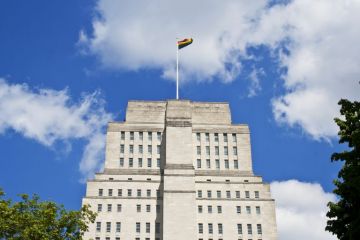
(184,43)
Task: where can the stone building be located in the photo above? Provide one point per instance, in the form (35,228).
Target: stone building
(179,170)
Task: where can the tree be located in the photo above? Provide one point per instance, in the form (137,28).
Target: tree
(31,218)
(345,214)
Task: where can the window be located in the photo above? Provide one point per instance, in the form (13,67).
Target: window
(149,149)
(209,194)
(198,150)
(99,207)
(158,208)
(236,164)
(100,192)
(216,137)
(210,228)
(235,151)
(97,238)
(157,193)
(119,207)
(200,228)
(237,194)
(198,163)
(234,137)
(238,209)
(147,227)
(200,209)
(141,135)
(207,137)
(220,228)
(247,194)
(131,135)
(198,138)
(199,193)
(248,209)
(149,162)
(131,162)
(148,208)
(209,209)
(228,194)
(158,149)
(138,208)
(140,163)
(249,229)
(108,226)
(157,227)
(208,163)
(239,228)
(226,164)
(98,226)
(148,193)
(138,193)
(119,192)
(218,194)
(216,150)
(149,136)
(219,209)
(141,149)
(207,148)
(122,135)
(217,163)
(259,229)
(110,192)
(158,162)
(121,162)
(118,227)
(109,207)
(225,137)
(226,151)
(138,227)
(258,210)
(158,136)
(256,194)
(129,192)
(122,148)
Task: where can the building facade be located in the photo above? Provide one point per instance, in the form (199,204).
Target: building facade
(179,170)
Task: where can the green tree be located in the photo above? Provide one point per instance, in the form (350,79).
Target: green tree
(33,219)
(345,214)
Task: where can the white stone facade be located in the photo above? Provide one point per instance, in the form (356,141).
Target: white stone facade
(179,170)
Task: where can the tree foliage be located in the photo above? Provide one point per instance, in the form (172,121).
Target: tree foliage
(345,214)
(31,218)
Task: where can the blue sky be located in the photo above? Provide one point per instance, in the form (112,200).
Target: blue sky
(68,67)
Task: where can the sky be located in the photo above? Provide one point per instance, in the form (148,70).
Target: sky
(67,68)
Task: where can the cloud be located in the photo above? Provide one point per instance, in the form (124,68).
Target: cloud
(49,116)
(301,210)
(315,41)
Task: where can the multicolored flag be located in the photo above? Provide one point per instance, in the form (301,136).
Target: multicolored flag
(183,43)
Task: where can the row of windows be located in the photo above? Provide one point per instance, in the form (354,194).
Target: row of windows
(220,228)
(219,209)
(140,162)
(118,238)
(140,135)
(109,207)
(215,136)
(140,149)
(217,150)
(209,194)
(139,193)
(109,225)
(199,164)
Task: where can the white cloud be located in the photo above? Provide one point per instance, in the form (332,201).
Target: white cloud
(321,37)
(301,210)
(48,116)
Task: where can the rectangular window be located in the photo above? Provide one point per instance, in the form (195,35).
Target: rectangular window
(99,207)
(220,228)
(100,192)
(138,192)
(226,152)
(201,228)
(248,209)
(157,193)
(208,163)
(198,150)
(200,209)
(236,164)
(209,209)
(141,135)
(225,137)
(228,194)
(158,162)
(247,194)
(98,226)
(138,227)
(258,210)
(217,163)
(148,192)
(118,227)
(256,194)
(209,194)
(218,194)
(157,228)
(207,150)
(149,149)
(109,207)
(198,163)
(138,208)
(131,135)
(149,162)
(121,162)
(149,136)
(158,208)
(234,137)
(239,228)
(140,162)
(141,149)
(226,164)
(131,149)
(108,226)
(129,192)
(158,149)
(158,136)
(207,137)
(110,191)
(259,229)
(216,137)
(235,151)
(219,209)
(210,228)
(216,150)
(119,192)
(122,135)
(249,229)
(237,194)
(147,227)
(148,208)
(199,193)
(238,209)
(122,148)
(131,162)
(198,138)
(119,207)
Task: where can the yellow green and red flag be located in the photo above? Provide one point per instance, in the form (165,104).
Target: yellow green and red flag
(183,43)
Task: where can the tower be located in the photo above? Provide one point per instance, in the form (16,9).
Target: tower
(179,169)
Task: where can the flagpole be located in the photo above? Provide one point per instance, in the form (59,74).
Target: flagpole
(177,71)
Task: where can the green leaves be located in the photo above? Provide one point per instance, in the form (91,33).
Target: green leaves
(31,218)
